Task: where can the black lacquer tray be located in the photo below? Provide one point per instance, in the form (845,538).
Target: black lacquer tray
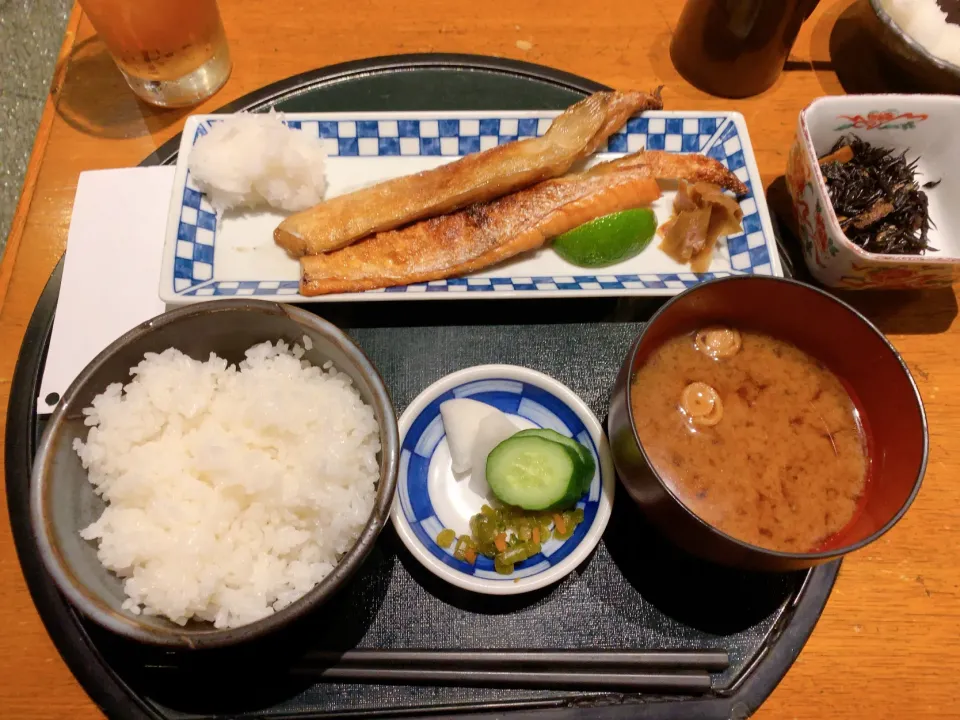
(636,591)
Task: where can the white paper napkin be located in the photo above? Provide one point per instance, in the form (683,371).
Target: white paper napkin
(111,270)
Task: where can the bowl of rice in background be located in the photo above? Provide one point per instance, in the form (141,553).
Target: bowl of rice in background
(235,483)
(924,38)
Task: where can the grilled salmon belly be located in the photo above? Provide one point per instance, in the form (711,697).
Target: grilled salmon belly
(475,178)
(479,236)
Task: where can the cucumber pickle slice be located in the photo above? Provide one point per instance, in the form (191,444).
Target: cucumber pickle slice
(534,473)
(588,467)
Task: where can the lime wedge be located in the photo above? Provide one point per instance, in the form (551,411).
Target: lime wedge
(607,240)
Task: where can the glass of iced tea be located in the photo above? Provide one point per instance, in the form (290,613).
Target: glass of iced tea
(173,53)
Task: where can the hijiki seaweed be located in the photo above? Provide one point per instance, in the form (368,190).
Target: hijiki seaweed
(876,197)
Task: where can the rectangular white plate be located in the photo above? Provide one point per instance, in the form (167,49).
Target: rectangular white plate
(206,257)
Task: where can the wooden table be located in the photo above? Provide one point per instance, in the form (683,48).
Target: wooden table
(888,644)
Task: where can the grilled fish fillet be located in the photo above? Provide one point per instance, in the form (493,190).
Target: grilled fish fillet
(478,236)
(475,178)
(691,167)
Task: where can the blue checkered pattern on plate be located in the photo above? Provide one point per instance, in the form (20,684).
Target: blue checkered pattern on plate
(717,137)
(533,403)
(748,250)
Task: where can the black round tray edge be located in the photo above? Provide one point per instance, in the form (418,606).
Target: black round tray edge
(69,636)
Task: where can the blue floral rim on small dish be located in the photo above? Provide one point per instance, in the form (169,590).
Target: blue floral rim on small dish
(513,397)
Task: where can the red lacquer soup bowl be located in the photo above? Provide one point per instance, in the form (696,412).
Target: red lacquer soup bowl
(836,335)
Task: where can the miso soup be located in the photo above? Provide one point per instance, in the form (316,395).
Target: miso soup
(753,435)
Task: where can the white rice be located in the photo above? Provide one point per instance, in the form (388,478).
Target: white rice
(925,22)
(231,491)
(254,159)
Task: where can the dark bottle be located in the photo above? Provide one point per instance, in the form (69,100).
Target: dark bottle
(736,48)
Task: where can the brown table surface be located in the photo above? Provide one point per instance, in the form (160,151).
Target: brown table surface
(888,644)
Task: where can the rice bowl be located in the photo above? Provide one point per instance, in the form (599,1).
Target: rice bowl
(927,23)
(64,502)
(232,490)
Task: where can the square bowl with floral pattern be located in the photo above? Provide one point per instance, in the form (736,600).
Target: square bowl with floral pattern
(923,126)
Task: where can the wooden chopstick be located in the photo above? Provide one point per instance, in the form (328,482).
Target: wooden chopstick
(713,660)
(693,682)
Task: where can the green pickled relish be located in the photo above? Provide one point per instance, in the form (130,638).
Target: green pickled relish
(446,537)
(517,527)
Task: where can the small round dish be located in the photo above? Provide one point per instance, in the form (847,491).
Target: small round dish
(430,497)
